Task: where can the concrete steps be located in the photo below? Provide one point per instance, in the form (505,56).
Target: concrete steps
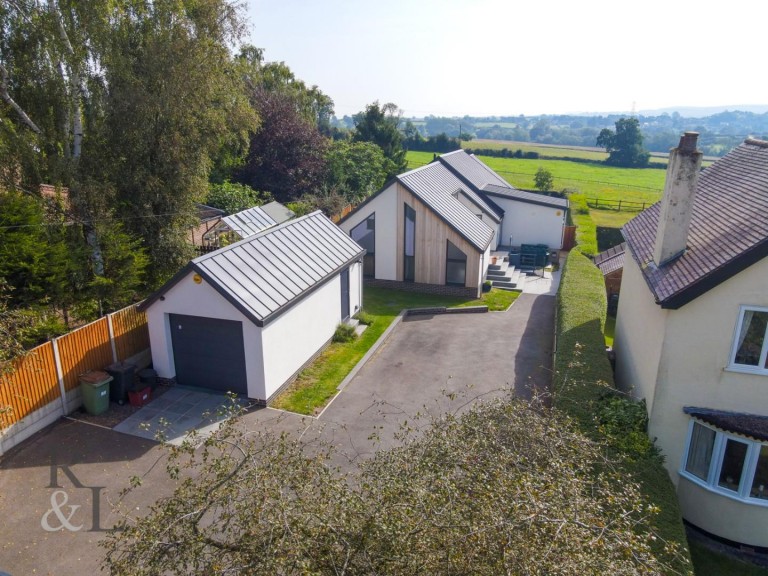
(504,276)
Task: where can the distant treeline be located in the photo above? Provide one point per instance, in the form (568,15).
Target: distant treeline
(719,133)
(504,153)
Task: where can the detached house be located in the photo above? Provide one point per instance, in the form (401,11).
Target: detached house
(692,339)
(437,225)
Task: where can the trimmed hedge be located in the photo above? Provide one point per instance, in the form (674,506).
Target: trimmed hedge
(584,389)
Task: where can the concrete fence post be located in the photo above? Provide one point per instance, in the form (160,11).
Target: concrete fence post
(60,375)
(112,338)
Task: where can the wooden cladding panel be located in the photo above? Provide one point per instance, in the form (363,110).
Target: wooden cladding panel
(431,236)
(87,348)
(30,385)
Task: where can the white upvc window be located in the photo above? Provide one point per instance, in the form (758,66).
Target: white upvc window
(749,352)
(725,463)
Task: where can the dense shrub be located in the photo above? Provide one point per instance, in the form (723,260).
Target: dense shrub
(344,333)
(608,237)
(584,389)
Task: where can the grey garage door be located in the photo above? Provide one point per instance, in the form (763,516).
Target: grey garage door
(209,353)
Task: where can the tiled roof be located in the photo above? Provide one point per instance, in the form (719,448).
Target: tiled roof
(472,169)
(752,425)
(525,196)
(435,185)
(612,259)
(728,233)
(267,273)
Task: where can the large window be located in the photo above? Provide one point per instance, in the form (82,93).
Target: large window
(455,265)
(365,235)
(728,464)
(750,346)
(409,245)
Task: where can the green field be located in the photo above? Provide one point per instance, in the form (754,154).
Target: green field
(593,180)
(542,149)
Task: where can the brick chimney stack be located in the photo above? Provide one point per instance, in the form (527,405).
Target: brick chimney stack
(677,202)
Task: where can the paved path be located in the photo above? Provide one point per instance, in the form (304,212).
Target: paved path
(471,355)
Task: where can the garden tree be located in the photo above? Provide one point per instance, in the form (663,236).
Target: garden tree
(130,99)
(379,124)
(625,145)
(287,154)
(232,197)
(13,325)
(504,488)
(354,170)
(543,180)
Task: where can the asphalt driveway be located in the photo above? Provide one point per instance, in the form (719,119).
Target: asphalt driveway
(430,364)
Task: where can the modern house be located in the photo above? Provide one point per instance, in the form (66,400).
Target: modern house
(434,228)
(248,317)
(691,335)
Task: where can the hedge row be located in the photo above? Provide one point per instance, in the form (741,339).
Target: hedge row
(586,231)
(584,389)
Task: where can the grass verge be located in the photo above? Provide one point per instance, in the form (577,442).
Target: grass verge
(317,383)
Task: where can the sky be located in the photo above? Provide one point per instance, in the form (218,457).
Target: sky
(510,57)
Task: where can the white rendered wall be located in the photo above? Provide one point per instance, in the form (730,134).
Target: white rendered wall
(640,334)
(691,347)
(530,223)
(297,334)
(385,207)
(192,299)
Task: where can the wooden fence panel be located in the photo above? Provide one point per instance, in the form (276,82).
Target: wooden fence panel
(31,385)
(87,348)
(129,327)
(569,237)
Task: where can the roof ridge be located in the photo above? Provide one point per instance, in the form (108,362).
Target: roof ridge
(756,142)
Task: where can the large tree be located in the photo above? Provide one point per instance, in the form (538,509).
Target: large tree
(625,145)
(287,154)
(380,125)
(124,102)
(506,488)
(355,170)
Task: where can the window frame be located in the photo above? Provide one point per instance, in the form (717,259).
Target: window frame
(408,210)
(735,367)
(448,260)
(369,260)
(711,484)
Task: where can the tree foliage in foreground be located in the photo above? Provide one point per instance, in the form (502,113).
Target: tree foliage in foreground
(625,145)
(502,489)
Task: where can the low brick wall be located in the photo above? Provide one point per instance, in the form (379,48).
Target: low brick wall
(458,291)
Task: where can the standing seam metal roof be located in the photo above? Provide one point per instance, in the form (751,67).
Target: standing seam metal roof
(434,185)
(475,171)
(265,274)
(525,196)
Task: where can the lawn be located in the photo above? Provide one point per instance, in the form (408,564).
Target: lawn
(611,218)
(595,180)
(709,563)
(317,383)
(551,150)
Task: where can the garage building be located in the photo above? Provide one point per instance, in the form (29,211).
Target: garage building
(247,318)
